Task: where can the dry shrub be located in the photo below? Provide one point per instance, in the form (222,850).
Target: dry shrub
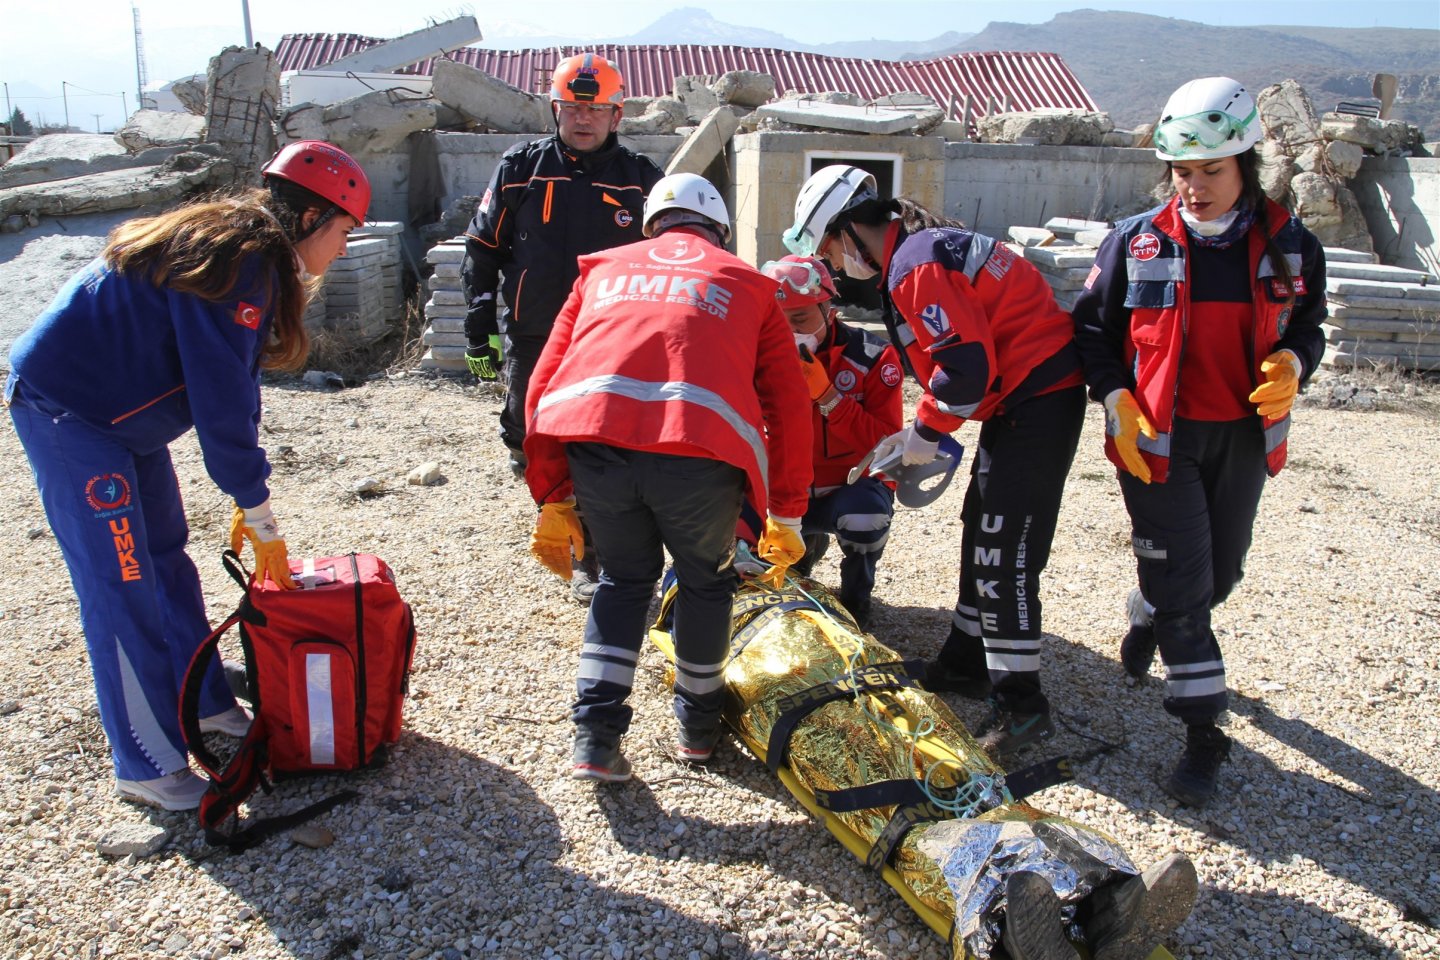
(344,351)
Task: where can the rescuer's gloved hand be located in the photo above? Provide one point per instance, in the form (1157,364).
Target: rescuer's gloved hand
(1125,422)
(1276,395)
(914,446)
(484,361)
(817,379)
(780,546)
(557,535)
(257,524)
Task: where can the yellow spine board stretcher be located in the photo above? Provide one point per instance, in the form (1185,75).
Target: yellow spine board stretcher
(783,644)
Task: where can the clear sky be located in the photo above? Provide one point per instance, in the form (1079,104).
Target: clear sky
(80,54)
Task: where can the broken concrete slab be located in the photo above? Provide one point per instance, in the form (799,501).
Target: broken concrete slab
(1031,236)
(487,99)
(1383,137)
(1376,271)
(242,97)
(744,88)
(662,115)
(1341,255)
(835,116)
(405,50)
(1344,158)
(160,128)
(191,94)
(707,142)
(928,112)
(61,155)
(1070,226)
(697,96)
(119,189)
(1053,127)
(371,123)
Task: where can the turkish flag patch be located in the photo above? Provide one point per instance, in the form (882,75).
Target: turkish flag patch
(248,315)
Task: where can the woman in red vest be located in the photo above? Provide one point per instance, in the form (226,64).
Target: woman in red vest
(1197,327)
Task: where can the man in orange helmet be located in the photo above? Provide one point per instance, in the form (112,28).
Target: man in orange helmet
(549,202)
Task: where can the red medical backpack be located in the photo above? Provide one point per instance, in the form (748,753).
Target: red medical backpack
(327,667)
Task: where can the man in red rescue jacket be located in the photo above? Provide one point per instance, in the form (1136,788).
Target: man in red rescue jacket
(669,391)
(855,380)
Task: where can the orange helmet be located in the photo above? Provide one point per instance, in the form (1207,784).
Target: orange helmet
(326,171)
(587,78)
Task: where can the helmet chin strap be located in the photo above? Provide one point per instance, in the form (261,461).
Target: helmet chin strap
(860,247)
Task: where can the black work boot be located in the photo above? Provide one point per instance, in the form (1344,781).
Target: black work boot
(816,544)
(1033,929)
(1008,730)
(1193,781)
(960,668)
(1129,919)
(1137,650)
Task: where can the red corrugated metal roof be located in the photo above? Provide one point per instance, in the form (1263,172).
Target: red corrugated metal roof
(1026,80)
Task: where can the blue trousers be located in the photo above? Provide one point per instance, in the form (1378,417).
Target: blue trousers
(859,515)
(638,505)
(118,519)
(1191,534)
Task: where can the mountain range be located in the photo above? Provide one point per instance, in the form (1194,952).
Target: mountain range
(1130,62)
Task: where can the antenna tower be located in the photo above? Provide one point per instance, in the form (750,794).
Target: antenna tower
(140,77)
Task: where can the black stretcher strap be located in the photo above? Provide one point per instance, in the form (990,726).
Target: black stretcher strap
(797,706)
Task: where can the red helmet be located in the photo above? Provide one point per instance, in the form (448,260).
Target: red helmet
(587,78)
(326,171)
(803,280)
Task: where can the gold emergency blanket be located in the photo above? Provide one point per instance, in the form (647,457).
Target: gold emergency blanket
(796,646)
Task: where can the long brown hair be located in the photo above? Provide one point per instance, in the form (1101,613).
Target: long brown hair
(912,216)
(1252,193)
(199,248)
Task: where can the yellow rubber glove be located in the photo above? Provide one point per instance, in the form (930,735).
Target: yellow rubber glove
(558,534)
(817,379)
(780,546)
(257,524)
(1125,422)
(1276,395)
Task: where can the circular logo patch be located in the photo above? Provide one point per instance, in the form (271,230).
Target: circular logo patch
(624,217)
(107,491)
(889,374)
(1145,247)
(845,381)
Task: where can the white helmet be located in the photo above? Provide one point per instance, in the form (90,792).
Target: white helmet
(829,192)
(1207,119)
(687,191)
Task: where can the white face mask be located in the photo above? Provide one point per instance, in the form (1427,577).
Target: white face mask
(1209,228)
(854,264)
(810,341)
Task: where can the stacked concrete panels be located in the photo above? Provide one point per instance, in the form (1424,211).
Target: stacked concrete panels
(391,267)
(1064,267)
(445,310)
(1379,315)
(355,290)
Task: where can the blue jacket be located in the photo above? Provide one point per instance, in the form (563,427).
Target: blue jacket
(143,364)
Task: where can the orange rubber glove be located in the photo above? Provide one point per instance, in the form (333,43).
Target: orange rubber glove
(557,534)
(780,546)
(257,524)
(1125,422)
(816,376)
(1276,395)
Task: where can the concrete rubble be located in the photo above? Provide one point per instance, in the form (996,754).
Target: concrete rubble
(159,128)
(368,124)
(1050,127)
(242,98)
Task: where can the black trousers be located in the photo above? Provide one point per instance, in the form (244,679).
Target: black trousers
(639,505)
(521,356)
(1191,534)
(1016,484)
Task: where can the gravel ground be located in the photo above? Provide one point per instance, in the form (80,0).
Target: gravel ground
(473,842)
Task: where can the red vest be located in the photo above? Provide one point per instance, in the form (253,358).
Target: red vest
(672,345)
(1159,300)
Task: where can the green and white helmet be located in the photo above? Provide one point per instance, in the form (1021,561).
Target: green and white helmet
(829,192)
(1207,119)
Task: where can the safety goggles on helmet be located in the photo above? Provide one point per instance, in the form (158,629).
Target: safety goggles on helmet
(801,280)
(1184,137)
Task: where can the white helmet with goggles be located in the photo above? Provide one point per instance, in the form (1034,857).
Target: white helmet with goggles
(829,192)
(1207,119)
(693,197)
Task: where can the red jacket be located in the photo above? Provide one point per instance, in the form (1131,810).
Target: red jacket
(866,371)
(983,327)
(673,345)
(1132,320)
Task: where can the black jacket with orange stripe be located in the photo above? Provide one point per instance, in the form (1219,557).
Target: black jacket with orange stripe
(546,206)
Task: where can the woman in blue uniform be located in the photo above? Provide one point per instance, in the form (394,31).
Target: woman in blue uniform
(167,330)
(1197,326)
